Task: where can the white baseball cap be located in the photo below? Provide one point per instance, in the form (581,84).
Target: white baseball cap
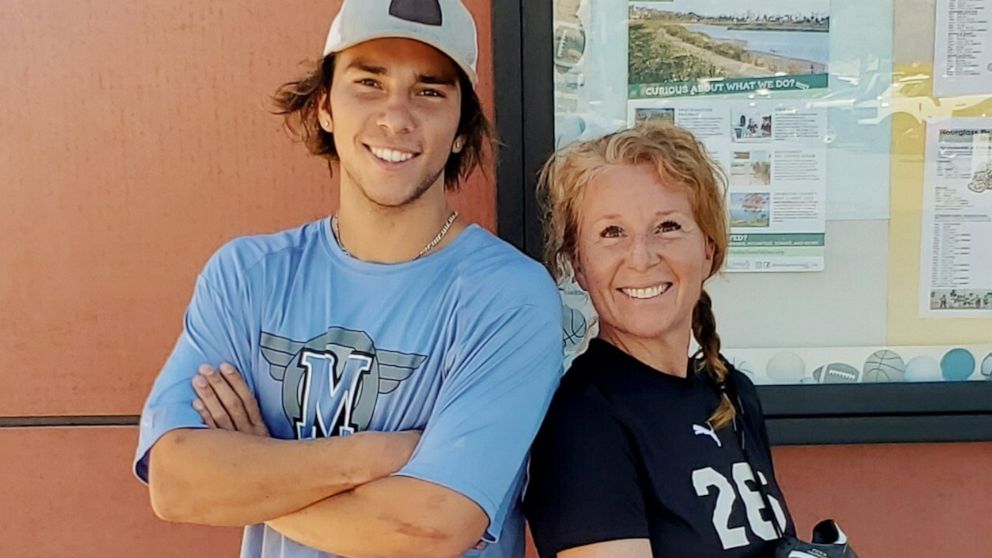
(446,25)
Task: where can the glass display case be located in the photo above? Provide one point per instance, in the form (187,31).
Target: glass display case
(856,140)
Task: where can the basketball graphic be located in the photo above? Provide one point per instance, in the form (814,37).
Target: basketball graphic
(836,373)
(883,366)
(957,365)
(574,327)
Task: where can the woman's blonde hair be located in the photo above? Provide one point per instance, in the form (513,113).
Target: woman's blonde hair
(677,156)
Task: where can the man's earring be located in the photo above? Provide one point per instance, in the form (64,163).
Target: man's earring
(457,148)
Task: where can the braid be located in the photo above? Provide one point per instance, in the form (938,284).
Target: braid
(704,329)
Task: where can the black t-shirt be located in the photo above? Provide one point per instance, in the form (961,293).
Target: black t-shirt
(625,452)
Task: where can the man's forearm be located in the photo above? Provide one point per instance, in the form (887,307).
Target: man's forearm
(218,477)
(394,517)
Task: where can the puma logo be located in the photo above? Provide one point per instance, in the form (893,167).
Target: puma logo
(706,431)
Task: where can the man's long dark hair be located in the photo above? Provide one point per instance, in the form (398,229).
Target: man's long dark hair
(298,102)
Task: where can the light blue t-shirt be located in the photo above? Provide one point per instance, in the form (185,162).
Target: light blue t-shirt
(464,343)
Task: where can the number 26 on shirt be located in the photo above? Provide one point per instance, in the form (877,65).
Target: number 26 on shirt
(707,479)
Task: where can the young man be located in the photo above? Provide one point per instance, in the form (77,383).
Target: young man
(367,384)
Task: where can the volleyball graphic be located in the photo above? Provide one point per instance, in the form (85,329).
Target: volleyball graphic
(883,366)
(957,365)
(836,373)
(786,367)
(922,369)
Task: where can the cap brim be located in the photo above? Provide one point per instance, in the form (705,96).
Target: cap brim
(468,70)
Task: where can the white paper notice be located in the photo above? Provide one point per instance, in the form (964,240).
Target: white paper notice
(963,48)
(775,159)
(956,250)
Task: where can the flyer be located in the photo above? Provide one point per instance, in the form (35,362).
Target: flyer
(962,48)
(956,240)
(775,162)
(680,48)
(590,70)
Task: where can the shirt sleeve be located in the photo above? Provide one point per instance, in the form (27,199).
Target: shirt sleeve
(212,333)
(584,484)
(490,407)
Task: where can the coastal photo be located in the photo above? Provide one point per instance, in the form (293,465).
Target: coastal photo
(654,115)
(750,210)
(751,168)
(699,47)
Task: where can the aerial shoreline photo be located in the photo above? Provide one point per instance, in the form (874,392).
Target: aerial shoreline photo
(675,43)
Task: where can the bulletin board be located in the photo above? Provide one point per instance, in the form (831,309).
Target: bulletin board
(857,142)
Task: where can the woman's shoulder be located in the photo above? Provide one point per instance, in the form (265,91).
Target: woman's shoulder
(581,407)
(740,380)
(593,378)
(747,397)
(741,384)
(580,389)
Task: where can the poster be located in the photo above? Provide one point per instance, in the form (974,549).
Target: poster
(956,247)
(775,162)
(570,47)
(590,70)
(681,48)
(963,48)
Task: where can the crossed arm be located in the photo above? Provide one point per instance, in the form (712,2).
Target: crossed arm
(332,494)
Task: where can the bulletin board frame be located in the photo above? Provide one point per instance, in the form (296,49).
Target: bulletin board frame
(795,414)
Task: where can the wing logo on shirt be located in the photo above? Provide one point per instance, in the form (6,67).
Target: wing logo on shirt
(330,384)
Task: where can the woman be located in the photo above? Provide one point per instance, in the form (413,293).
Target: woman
(641,452)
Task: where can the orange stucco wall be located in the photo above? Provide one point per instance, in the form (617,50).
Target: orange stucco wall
(134,140)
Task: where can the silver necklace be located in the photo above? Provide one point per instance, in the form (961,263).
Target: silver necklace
(430,245)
